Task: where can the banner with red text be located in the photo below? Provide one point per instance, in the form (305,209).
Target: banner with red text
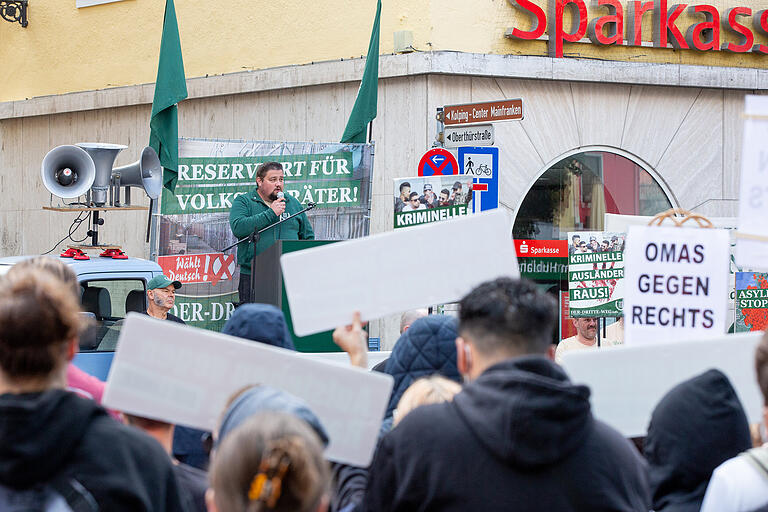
(194,220)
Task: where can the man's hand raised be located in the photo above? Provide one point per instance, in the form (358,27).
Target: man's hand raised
(278,206)
(352,340)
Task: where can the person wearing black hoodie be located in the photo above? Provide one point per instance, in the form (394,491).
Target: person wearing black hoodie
(59,451)
(520,436)
(698,425)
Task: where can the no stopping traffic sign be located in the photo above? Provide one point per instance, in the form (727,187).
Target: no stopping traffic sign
(437,162)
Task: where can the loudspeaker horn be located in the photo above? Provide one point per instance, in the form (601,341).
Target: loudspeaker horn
(103,156)
(68,171)
(146,173)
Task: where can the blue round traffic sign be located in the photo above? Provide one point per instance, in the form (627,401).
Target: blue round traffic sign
(437,162)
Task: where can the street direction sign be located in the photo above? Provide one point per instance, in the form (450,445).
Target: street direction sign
(476,135)
(504,110)
(482,164)
(437,162)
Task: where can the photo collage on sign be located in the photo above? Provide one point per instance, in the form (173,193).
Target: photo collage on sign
(425,199)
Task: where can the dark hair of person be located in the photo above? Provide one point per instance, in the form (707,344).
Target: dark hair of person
(403,185)
(761,365)
(508,316)
(264,168)
(273,461)
(413,194)
(39,315)
(445,191)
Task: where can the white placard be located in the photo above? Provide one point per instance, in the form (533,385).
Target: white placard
(628,382)
(183,375)
(618,222)
(676,284)
(396,271)
(753,191)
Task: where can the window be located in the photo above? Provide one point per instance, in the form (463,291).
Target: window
(575,193)
(106,303)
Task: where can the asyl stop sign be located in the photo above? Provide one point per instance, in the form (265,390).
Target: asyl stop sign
(438,161)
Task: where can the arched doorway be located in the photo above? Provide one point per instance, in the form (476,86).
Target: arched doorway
(573,194)
(577,190)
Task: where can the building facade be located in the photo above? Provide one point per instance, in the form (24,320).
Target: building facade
(619,128)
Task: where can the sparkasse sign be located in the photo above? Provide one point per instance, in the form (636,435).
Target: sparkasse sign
(609,29)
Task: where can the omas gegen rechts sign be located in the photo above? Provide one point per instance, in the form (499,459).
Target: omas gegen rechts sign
(676,284)
(621,24)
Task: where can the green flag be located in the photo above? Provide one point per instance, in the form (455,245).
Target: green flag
(170,88)
(364,110)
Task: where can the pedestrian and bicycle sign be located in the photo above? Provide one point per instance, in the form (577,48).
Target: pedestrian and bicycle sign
(482,164)
(437,162)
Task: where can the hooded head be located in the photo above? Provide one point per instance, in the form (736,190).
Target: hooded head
(260,322)
(698,425)
(264,398)
(427,347)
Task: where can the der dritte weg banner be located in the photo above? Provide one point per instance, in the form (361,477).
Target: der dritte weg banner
(194,221)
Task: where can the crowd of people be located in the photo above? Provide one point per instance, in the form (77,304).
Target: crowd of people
(480,418)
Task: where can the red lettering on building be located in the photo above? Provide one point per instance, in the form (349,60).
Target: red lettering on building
(705,35)
(557,34)
(609,29)
(730,22)
(760,22)
(664,29)
(538,18)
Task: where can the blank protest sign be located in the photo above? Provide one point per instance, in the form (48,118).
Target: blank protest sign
(676,282)
(179,374)
(627,382)
(396,271)
(753,190)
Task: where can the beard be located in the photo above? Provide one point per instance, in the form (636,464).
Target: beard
(162,303)
(273,195)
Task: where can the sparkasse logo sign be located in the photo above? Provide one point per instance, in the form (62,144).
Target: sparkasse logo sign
(609,29)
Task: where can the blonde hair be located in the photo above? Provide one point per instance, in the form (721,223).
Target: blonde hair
(427,390)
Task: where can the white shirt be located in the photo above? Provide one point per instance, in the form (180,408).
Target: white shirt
(736,486)
(573,343)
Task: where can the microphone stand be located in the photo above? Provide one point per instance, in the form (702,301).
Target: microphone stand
(256,236)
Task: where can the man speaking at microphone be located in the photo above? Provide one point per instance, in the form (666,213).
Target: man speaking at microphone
(262,207)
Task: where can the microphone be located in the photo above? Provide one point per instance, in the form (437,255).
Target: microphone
(280,195)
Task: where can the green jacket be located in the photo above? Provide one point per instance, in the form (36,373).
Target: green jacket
(249,212)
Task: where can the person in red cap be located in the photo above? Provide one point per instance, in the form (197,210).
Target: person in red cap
(161,295)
